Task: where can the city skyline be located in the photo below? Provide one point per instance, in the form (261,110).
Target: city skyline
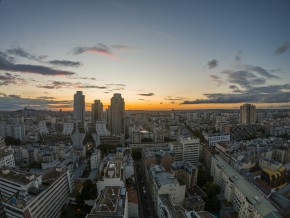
(158,55)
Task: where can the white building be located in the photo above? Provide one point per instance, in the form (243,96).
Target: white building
(212,139)
(29,195)
(68,128)
(186,150)
(246,200)
(42,127)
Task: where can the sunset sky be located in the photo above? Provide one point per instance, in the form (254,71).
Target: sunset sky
(186,54)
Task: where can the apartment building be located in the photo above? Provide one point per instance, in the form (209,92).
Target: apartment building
(246,200)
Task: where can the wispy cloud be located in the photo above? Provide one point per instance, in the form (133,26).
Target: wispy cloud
(20,52)
(62,84)
(64,63)
(212,63)
(282,48)
(217,79)
(146,94)
(8,79)
(27,68)
(238,57)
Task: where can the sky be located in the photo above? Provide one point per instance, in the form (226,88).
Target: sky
(159,54)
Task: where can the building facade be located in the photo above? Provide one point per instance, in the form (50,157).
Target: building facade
(79,107)
(247,114)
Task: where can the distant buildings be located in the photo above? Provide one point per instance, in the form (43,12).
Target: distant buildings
(117,114)
(247,114)
(79,107)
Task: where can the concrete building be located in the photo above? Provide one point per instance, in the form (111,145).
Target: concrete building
(112,175)
(96,159)
(6,157)
(117,112)
(163,182)
(247,114)
(97,111)
(42,127)
(186,173)
(79,107)
(246,200)
(112,202)
(29,195)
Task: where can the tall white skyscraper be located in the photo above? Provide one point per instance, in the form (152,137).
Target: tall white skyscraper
(117,112)
(79,107)
(248,114)
(97,111)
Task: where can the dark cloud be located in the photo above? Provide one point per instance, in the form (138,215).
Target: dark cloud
(45,98)
(3,94)
(15,102)
(27,68)
(238,57)
(212,64)
(234,88)
(65,63)
(264,94)
(87,78)
(117,84)
(261,71)
(8,78)
(91,87)
(282,48)
(20,52)
(142,99)
(100,49)
(146,94)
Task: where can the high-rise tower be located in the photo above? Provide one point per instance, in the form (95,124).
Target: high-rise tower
(97,111)
(117,112)
(79,107)
(248,114)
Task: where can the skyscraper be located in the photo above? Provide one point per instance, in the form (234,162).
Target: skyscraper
(79,107)
(117,112)
(248,114)
(97,111)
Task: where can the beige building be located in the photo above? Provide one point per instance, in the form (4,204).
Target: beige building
(247,114)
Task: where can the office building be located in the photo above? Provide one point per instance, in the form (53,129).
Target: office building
(248,114)
(97,111)
(79,107)
(117,112)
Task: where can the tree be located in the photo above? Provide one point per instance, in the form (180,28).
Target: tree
(9,140)
(203,177)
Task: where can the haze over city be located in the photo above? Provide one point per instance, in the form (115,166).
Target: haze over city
(157,54)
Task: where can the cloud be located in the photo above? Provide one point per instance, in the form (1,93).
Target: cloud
(282,48)
(3,94)
(100,49)
(65,63)
(264,94)
(8,79)
(142,99)
(20,52)
(169,98)
(16,102)
(34,69)
(146,94)
(248,76)
(212,64)
(88,78)
(124,48)
(238,57)
(61,84)
(118,84)
(217,79)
